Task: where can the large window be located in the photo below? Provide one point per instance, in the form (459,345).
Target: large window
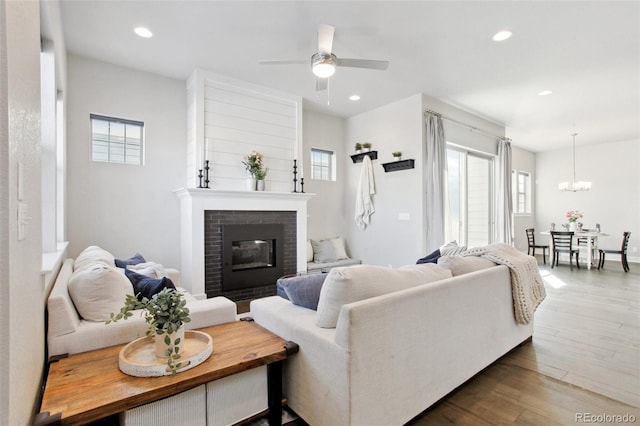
(470,195)
(322,164)
(521,188)
(116,140)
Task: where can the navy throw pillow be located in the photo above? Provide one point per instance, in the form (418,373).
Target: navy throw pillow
(303,290)
(134,260)
(144,286)
(430,258)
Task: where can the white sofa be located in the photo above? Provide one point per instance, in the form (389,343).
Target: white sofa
(392,356)
(68,332)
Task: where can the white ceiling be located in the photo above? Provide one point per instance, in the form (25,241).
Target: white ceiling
(587,53)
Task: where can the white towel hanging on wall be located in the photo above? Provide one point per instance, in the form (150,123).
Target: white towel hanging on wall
(366,188)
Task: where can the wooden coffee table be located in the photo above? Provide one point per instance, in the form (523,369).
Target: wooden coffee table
(89,386)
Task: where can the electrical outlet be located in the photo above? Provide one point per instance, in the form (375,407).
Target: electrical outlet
(635,249)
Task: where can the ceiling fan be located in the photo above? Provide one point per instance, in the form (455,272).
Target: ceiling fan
(324,62)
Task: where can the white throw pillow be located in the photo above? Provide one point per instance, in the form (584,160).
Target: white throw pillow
(91,256)
(309,251)
(323,251)
(463,265)
(359,282)
(452,249)
(98,291)
(149,269)
(338,248)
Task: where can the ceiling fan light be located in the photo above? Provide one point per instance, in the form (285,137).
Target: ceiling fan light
(323,64)
(324,70)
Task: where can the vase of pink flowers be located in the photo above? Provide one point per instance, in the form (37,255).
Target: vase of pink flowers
(573,216)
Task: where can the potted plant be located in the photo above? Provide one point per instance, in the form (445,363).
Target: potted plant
(366,146)
(358,147)
(397,155)
(166,312)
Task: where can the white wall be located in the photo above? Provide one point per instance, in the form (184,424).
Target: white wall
(388,240)
(21,287)
(614,198)
(325,208)
(124,208)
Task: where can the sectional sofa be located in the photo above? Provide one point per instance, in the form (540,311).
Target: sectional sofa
(79,325)
(385,344)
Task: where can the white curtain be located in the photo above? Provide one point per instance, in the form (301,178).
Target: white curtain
(436,175)
(503,232)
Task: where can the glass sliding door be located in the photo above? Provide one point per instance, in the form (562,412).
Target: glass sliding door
(470,195)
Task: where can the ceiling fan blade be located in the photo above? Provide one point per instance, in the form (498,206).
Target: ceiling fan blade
(325,38)
(284,62)
(321,84)
(362,63)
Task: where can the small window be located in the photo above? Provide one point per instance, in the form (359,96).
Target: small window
(521,189)
(322,164)
(116,140)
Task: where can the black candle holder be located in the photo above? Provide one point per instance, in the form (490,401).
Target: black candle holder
(295,172)
(302,185)
(206,174)
(200,178)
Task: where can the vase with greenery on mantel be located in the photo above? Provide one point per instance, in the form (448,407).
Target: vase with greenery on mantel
(397,155)
(260,175)
(253,163)
(166,312)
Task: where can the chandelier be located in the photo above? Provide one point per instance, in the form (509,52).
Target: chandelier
(574,186)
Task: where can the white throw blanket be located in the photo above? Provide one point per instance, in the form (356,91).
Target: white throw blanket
(366,188)
(527,287)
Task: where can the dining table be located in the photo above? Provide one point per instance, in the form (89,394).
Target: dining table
(590,236)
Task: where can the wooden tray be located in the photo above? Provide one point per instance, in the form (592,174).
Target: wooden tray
(139,359)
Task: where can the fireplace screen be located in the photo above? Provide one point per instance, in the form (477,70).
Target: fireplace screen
(252,254)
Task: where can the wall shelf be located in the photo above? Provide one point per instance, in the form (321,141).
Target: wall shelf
(395,166)
(357,158)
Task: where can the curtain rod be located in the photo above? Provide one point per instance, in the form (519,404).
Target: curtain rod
(459,123)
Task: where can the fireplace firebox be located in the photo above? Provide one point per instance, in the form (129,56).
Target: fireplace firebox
(252,255)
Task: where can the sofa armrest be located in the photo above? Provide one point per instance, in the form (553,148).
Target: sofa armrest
(208,312)
(316,379)
(63,317)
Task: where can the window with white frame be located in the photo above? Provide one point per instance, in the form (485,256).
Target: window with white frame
(521,192)
(322,164)
(116,140)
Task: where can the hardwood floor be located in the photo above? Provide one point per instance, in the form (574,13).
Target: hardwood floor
(582,365)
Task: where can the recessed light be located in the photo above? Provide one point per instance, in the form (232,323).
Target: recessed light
(354,97)
(545,93)
(502,35)
(143,32)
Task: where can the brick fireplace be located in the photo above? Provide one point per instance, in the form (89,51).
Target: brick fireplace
(203,212)
(247,251)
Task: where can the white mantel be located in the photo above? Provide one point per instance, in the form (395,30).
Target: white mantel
(195,201)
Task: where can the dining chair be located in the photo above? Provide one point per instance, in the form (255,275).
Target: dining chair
(531,249)
(563,243)
(584,242)
(622,252)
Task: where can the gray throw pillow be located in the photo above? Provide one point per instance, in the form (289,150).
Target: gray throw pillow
(303,290)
